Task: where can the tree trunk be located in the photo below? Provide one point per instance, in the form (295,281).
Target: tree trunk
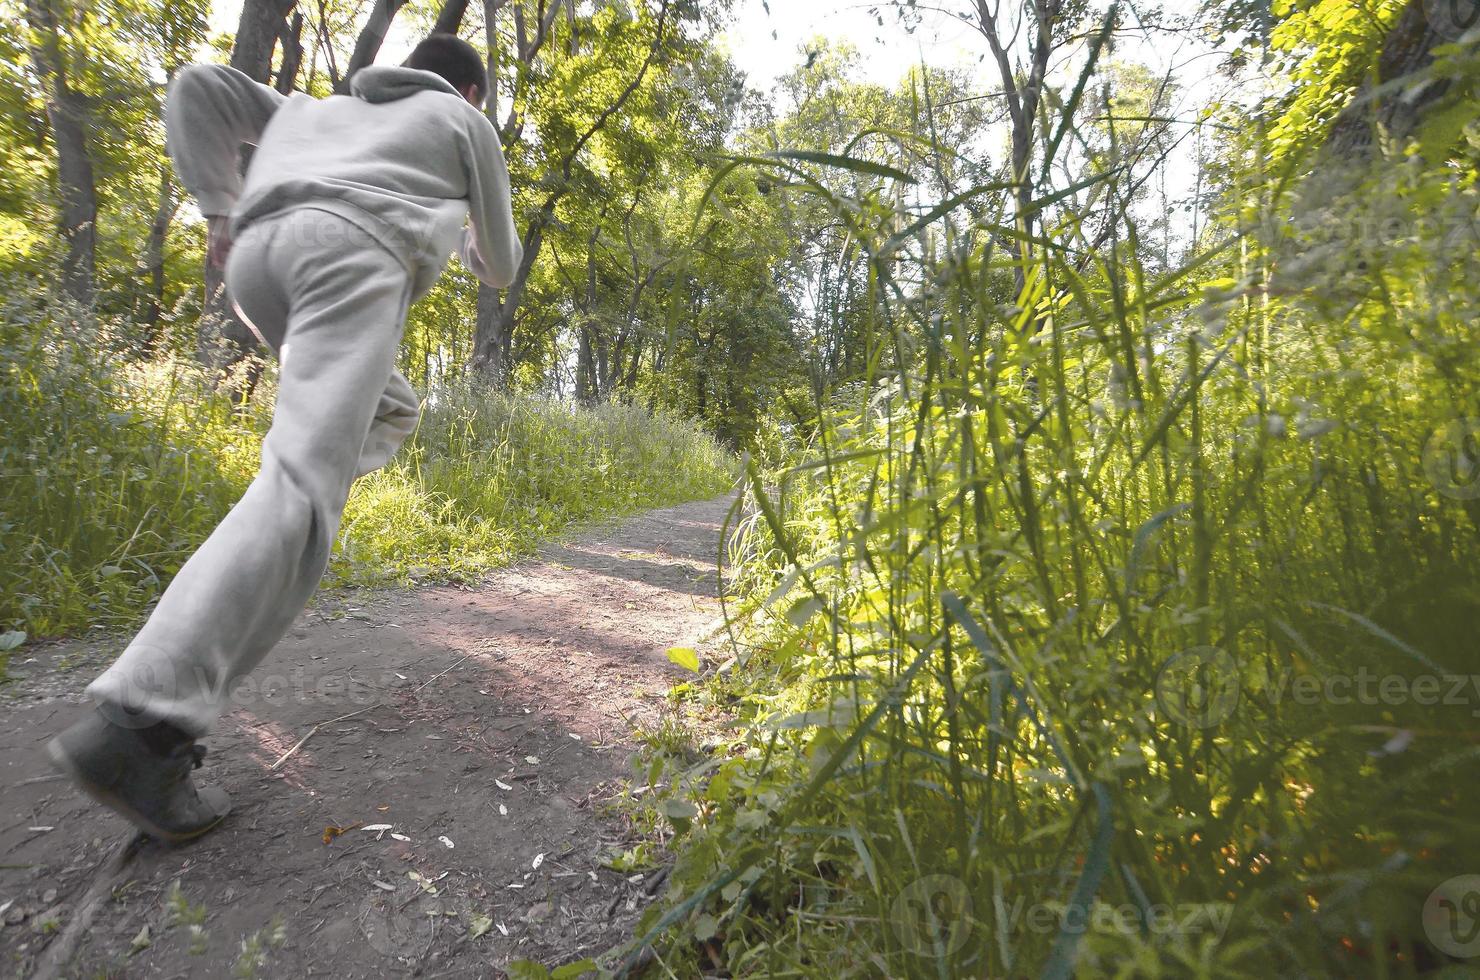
(66,111)
(1021,96)
(585,366)
(159,228)
(1409,47)
(257,35)
(495,323)
(372,36)
(292,40)
(450,17)
(493,336)
(628,382)
(604,373)
(223,341)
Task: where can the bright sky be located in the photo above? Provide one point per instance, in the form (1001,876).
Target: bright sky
(770,38)
(768,43)
(760,55)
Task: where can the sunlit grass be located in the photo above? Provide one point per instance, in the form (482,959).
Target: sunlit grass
(487,477)
(114,470)
(1026,622)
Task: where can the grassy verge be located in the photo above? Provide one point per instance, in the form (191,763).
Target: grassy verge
(486,478)
(1125,629)
(112,471)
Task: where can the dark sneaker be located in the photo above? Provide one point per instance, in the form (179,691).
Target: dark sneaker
(141,774)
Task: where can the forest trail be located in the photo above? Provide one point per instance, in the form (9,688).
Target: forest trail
(490,727)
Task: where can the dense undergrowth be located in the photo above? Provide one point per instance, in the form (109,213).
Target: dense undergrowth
(1124,628)
(112,470)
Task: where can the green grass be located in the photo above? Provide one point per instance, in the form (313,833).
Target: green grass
(486,478)
(1055,635)
(113,470)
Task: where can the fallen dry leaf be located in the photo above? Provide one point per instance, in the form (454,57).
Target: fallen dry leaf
(332,832)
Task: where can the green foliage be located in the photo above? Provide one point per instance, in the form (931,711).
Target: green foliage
(256,950)
(1330,48)
(110,474)
(1101,632)
(488,477)
(115,55)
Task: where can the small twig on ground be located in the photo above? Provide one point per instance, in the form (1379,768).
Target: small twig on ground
(58,955)
(40,779)
(314,730)
(437,675)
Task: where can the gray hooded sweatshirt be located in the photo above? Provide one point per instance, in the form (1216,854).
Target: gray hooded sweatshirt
(403,157)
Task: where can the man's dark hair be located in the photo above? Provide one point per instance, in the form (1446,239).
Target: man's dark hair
(454,59)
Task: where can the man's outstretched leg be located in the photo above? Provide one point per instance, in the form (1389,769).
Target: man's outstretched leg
(334,305)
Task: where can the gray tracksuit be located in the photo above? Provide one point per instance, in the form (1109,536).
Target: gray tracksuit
(348,213)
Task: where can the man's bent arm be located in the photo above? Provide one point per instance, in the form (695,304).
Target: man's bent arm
(212,110)
(491,248)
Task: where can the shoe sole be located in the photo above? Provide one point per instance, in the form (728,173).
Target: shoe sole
(118,804)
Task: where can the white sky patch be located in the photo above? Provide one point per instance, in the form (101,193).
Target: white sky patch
(769,39)
(767,44)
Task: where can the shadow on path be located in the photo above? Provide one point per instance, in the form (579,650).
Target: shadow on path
(486,727)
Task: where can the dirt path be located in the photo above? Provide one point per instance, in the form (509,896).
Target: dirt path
(492,727)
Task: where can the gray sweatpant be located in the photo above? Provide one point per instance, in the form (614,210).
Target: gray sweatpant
(332,305)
